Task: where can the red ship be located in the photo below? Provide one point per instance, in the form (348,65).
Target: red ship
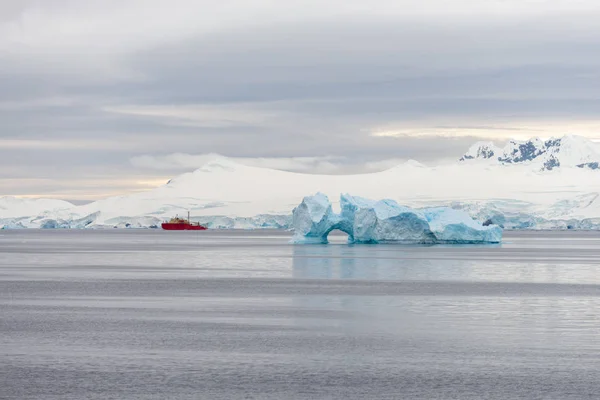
(180,224)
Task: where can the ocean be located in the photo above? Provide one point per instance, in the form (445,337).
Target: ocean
(148,314)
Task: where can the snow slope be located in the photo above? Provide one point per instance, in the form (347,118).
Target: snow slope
(17,207)
(226,194)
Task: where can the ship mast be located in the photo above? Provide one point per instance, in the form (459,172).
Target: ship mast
(188,217)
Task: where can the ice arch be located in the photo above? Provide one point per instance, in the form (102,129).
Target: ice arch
(313,220)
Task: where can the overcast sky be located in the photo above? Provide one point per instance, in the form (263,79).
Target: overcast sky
(102,97)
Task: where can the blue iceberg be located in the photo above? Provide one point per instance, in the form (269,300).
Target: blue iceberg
(370,221)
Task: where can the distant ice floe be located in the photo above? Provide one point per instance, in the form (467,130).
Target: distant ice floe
(263,221)
(370,221)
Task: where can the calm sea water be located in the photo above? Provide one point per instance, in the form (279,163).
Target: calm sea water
(130,314)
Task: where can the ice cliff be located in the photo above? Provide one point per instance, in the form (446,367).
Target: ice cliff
(369,221)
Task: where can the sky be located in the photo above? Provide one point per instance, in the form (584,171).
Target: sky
(105,97)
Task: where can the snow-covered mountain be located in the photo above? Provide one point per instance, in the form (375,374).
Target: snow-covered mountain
(482,151)
(11,206)
(514,191)
(546,155)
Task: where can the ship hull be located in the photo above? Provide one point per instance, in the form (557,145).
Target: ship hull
(182,227)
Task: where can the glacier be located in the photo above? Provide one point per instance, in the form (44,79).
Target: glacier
(383,221)
(552,184)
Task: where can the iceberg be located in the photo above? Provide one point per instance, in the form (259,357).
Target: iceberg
(314,219)
(262,221)
(454,226)
(12,224)
(382,221)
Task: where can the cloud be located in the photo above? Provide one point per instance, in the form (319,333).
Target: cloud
(544,130)
(341,86)
(56,145)
(186,162)
(312,165)
(202,115)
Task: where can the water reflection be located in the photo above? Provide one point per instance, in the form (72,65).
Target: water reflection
(441,263)
(372,263)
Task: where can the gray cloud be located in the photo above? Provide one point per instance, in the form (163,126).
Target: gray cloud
(86,89)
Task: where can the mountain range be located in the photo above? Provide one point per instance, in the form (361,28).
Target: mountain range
(568,151)
(533,184)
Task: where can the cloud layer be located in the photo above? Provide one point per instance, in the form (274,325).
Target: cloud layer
(180,162)
(305,85)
